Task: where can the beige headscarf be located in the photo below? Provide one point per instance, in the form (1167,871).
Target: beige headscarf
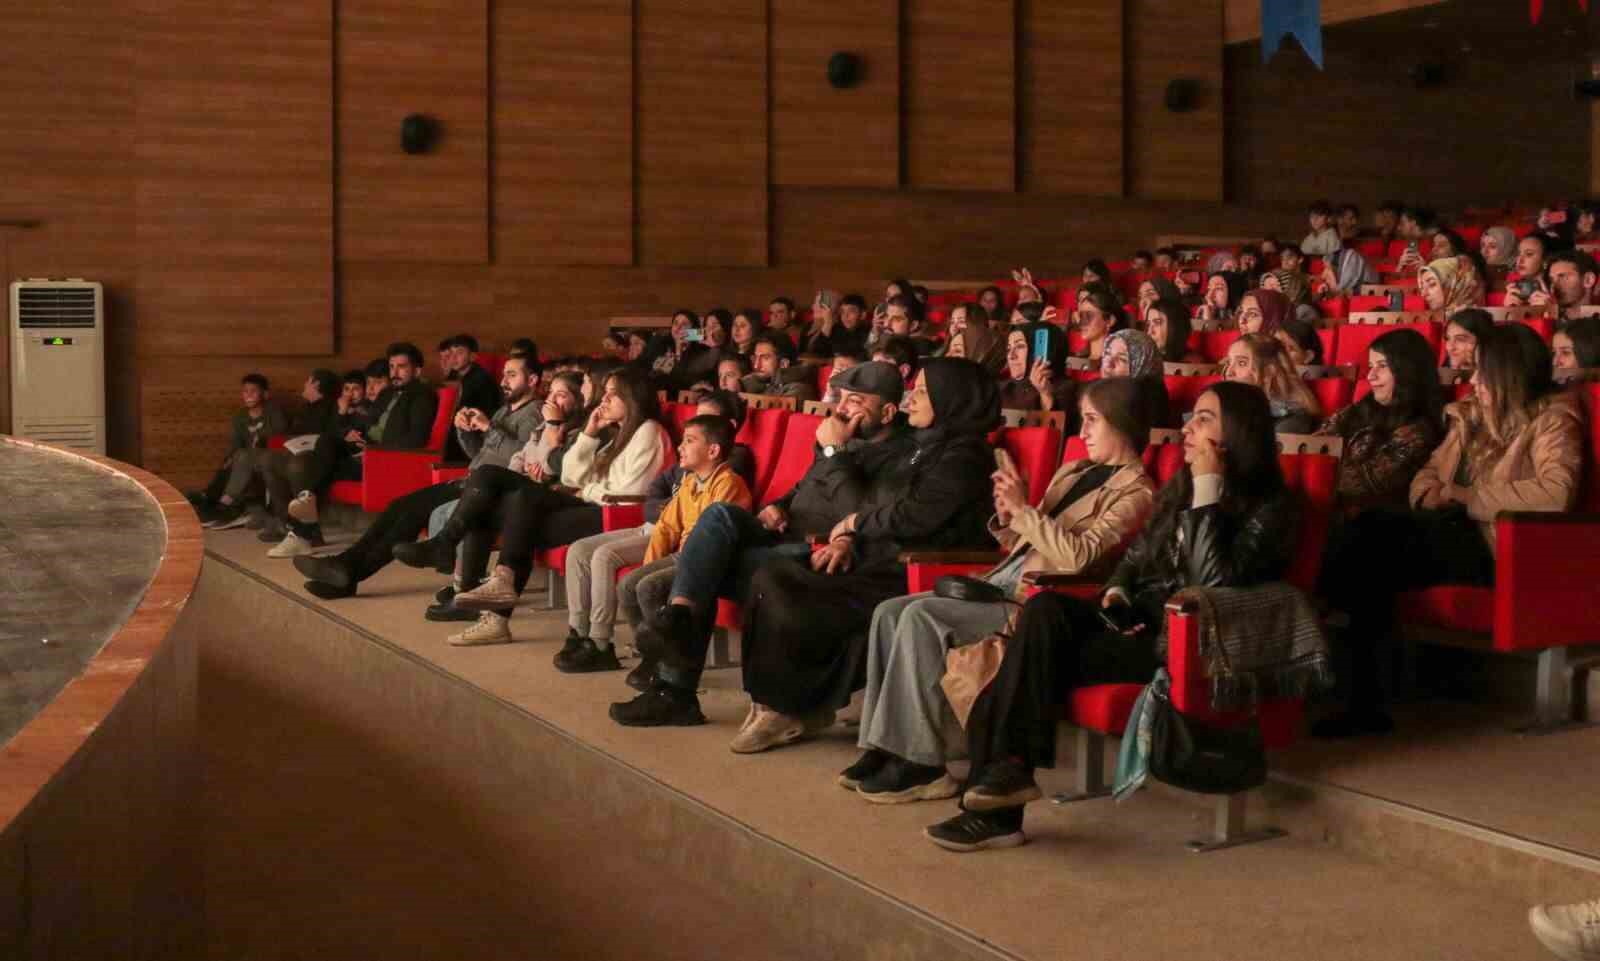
(1459,279)
(1506,240)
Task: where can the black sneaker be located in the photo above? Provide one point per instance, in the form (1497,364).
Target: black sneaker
(1353,724)
(589,658)
(444,595)
(1004,785)
(661,706)
(641,677)
(226,517)
(866,766)
(900,781)
(432,552)
(329,592)
(972,831)
(328,570)
(570,646)
(448,613)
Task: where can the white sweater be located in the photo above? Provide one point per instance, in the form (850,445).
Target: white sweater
(630,473)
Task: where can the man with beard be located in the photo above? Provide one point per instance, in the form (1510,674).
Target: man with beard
(490,440)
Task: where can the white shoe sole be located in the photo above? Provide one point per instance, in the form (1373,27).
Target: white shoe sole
(743,745)
(941,788)
(460,640)
(1556,939)
(1015,840)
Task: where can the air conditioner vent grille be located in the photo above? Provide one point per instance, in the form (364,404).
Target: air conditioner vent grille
(56,307)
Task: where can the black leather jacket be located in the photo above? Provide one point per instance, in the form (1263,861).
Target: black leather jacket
(1210,546)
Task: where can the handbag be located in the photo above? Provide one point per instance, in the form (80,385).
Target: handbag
(1195,756)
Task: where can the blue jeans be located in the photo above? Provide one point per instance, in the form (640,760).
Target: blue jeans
(722,553)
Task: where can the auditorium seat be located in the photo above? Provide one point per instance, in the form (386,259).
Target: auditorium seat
(1214,344)
(1310,466)
(762,431)
(1184,391)
(1356,338)
(387,475)
(1333,393)
(1540,601)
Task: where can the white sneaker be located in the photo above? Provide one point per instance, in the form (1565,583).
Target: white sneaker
(304,508)
(292,545)
(491,628)
(1570,931)
(493,594)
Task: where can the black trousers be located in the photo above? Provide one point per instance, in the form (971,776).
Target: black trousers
(526,515)
(1383,553)
(287,474)
(401,521)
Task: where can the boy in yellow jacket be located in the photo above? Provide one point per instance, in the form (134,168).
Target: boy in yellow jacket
(705,477)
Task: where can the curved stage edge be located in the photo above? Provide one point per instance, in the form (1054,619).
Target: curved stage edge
(97,852)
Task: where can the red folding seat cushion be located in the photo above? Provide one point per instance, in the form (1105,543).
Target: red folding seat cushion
(1104,707)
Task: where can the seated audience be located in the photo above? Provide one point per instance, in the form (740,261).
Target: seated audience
(1344,271)
(1223,291)
(747,323)
(1390,433)
(991,299)
(1096,272)
(530,516)
(1524,281)
(804,643)
(1133,354)
(1166,259)
(859,448)
(774,373)
(1450,285)
(901,354)
(1447,244)
(491,439)
(222,503)
(904,320)
(1090,508)
(1260,361)
(1295,288)
(1152,289)
(783,319)
(1035,382)
(1324,237)
(1576,346)
(687,359)
(1167,323)
(1099,313)
(844,358)
(1347,220)
(977,343)
(1143,261)
(476,390)
(1386,220)
(704,475)
(1225,520)
(1300,341)
(1570,282)
(1465,330)
(1262,311)
(1515,445)
(404,420)
(1498,245)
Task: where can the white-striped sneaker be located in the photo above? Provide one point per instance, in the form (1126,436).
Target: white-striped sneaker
(304,507)
(493,594)
(491,628)
(1570,931)
(292,545)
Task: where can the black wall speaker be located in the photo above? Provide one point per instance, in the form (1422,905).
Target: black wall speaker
(1586,89)
(1183,94)
(1425,75)
(418,133)
(844,70)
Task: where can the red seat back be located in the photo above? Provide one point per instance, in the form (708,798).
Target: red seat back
(443,416)
(1316,478)
(1336,308)
(1214,344)
(1366,303)
(1034,451)
(1545,327)
(1182,392)
(794,456)
(1373,248)
(1333,393)
(493,364)
(824,374)
(763,431)
(1589,395)
(676,415)
(1355,339)
(1329,337)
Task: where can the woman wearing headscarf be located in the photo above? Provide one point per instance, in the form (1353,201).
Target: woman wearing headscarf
(806,622)
(1026,371)
(1134,354)
(1263,311)
(979,344)
(1450,284)
(1499,248)
(1345,270)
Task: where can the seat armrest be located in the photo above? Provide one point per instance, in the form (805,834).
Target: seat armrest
(622,514)
(614,499)
(1544,580)
(1052,579)
(952,557)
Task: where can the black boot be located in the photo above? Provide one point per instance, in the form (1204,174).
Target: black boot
(434,552)
(686,634)
(332,571)
(641,677)
(588,658)
(661,706)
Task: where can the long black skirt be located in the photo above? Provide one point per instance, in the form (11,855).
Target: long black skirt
(805,633)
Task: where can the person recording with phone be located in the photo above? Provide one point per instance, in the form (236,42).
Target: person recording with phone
(1226,519)
(1036,371)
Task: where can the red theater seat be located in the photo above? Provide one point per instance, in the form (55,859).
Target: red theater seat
(387,475)
(1214,344)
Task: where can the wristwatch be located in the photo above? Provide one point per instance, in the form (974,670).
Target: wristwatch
(829,451)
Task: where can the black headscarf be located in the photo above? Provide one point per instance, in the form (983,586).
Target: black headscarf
(964,397)
(1057,358)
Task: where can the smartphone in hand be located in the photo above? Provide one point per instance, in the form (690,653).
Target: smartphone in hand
(1121,618)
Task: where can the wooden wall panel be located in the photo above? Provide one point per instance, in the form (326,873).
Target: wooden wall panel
(234,143)
(959,94)
(1469,142)
(1069,96)
(701,117)
(1175,155)
(400,57)
(563,80)
(827,137)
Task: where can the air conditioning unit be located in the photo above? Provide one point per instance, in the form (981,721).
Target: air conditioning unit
(58,363)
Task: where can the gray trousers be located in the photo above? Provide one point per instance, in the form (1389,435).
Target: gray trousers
(246,464)
(905,711)
(592,566)
(646,589)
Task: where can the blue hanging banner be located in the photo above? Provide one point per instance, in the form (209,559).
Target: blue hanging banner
(1300,19)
